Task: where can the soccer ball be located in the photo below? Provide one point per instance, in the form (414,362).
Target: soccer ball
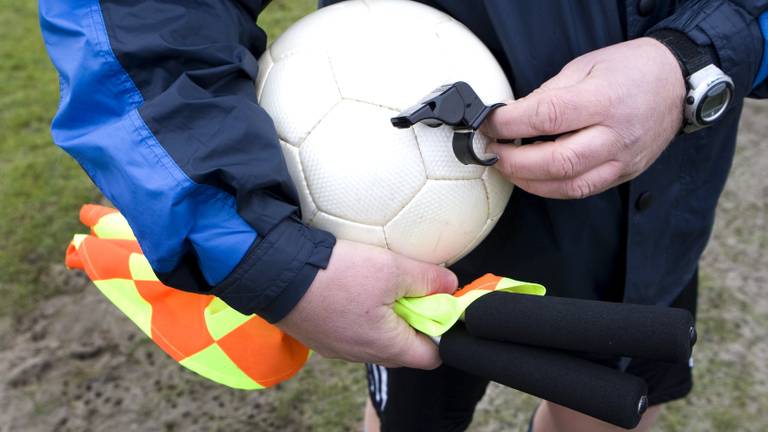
(332,82)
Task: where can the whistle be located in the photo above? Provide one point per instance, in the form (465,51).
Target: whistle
(456,105)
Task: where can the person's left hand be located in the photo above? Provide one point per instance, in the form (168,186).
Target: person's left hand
(616,109)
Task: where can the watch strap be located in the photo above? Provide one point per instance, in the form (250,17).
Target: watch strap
(691,56)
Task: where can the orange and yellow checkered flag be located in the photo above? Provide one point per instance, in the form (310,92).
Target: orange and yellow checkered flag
(199,331)
(204,334)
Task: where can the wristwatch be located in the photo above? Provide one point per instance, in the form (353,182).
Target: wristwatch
(709,89)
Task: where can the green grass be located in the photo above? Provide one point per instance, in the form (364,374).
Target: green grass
(41,188)
(282,13)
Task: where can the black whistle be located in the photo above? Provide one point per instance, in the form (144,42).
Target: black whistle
(456,105)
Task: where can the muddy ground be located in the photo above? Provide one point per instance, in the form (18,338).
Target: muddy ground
(75,363)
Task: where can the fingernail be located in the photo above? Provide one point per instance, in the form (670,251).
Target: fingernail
(449,282)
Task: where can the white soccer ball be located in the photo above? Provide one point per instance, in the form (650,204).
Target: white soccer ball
(332,82)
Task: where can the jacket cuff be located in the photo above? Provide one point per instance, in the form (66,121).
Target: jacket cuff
(277,270)
(731,31)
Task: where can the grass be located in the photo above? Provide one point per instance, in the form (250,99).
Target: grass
(280,14)
(41,188)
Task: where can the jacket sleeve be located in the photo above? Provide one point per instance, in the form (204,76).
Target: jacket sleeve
(158,106)
(736,30)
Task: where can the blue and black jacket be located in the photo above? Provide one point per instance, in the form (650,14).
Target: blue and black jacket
(158,106)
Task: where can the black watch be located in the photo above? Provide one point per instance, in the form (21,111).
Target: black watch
(709,90)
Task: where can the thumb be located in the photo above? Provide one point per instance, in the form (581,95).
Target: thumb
(551,111)
(418,279)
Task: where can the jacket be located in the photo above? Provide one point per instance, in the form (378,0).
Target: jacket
(158,107)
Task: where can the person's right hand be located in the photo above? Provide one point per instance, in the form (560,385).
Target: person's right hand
(347,311)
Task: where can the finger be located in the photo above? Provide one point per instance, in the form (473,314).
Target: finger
(549,112)
(418,279)
(593,182)
(567,157)
(416,350)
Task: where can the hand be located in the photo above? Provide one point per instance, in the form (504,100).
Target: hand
(617,109)
(347,311)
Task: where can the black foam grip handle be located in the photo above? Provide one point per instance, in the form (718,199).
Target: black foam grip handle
(651,332)
(581,385)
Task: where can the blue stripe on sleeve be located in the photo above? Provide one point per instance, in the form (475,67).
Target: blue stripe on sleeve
(762,73)
(98,123)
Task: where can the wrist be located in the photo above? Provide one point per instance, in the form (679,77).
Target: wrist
(708,91)
(690,56)
(669,65)
(671,88)
(277,271)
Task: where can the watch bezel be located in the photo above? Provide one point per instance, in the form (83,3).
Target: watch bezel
(699,84)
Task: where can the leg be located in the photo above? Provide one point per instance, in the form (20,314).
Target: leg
(666,382)
(551,417)
(405,399)
(370,418)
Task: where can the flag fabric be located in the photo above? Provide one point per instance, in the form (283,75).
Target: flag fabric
(210,338)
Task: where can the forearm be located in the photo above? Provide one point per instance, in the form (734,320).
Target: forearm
(158,106)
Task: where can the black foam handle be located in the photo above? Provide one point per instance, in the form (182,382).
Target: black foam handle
(581,385)
(651,332)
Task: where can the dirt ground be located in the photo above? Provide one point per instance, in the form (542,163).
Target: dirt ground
(75,363)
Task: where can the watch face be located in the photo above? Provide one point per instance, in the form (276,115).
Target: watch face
(715,101)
